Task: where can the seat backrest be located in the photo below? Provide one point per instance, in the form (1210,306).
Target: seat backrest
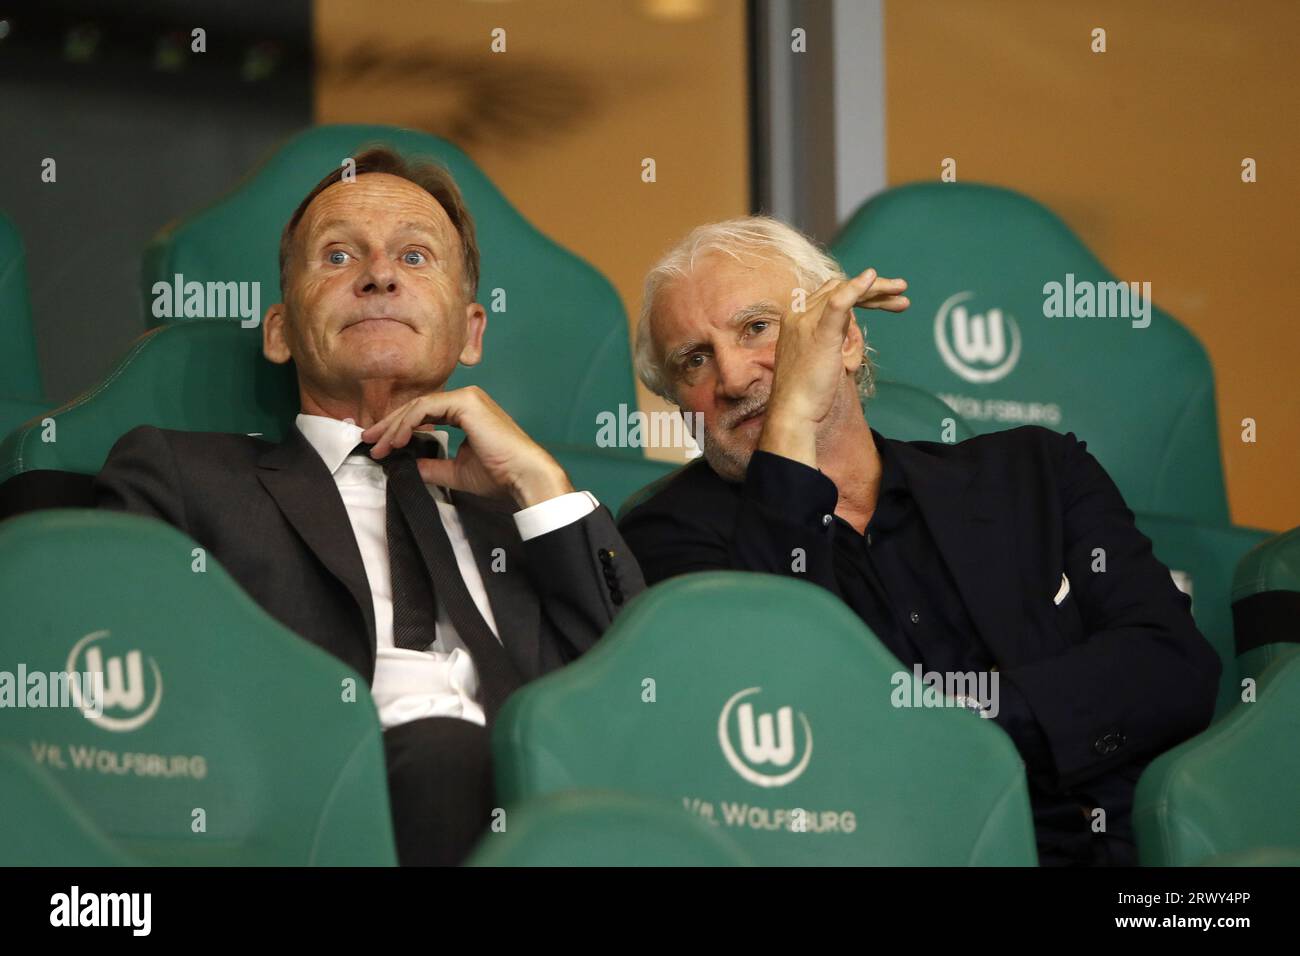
(764,706)
(1231,789)
(907,413)
(556,352)
(41,825)
(206,375)
(1266,602)
(20,375)
(585,828)
(895,410)
(978,260)
(221,737)
(1202,558)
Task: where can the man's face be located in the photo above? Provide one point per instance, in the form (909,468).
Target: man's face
(375,290)
(717,329)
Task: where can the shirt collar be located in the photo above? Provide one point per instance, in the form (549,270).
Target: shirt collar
(334,439)
(892,501)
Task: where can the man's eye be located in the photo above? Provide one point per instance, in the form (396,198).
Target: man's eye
(413,258)
(338,257)
(693,361)
(759,326)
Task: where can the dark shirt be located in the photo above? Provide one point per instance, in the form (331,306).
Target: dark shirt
(897,582)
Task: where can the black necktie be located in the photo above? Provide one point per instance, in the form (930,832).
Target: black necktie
(424,570)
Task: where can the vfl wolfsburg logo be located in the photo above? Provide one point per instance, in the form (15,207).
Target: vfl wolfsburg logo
(767,745)
(123,681)
(980,348)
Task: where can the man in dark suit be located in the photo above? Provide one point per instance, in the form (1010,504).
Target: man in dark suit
(446,583)
(1010,554)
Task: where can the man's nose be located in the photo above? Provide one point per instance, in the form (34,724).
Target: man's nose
(737,374)
(378,276)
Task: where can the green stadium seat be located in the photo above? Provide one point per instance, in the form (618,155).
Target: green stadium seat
(763,706)
(1266,603)
(895,410)
(581,828)
(201,376)
(223,738)
(907,413)
(21,393)
(1231,789)
(1202,558)
(556,357)
(977,259)
(41,825)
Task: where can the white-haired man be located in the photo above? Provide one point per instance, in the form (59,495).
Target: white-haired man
(962,558)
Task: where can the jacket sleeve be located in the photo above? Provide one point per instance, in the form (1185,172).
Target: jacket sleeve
(1144,678)
(781,527)
(140,477)
(584,574)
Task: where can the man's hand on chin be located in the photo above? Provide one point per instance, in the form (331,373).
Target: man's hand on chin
(497,458)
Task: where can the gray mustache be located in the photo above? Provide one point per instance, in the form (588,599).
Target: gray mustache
(750,406)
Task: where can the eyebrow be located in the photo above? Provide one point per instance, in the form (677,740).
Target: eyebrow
(742,316)
(739,317)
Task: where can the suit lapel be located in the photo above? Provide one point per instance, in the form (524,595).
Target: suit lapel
(514,600)
(974,538)
(295,476)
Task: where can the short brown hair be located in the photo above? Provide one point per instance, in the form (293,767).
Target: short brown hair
(433,178)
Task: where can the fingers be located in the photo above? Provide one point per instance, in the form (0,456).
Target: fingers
(889,303)
(439,471)
(395,430)
(871,290)
(838,313)
(456,407)
(884,286)
(855,290)
(380,433)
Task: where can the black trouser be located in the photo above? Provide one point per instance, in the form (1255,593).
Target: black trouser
(439,788)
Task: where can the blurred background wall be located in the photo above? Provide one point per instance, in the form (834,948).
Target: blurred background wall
(141,130)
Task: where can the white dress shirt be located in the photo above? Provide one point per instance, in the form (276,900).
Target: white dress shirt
(441,681)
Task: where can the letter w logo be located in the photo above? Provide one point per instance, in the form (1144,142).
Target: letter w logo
(128,697)
(978,338)
(775,748)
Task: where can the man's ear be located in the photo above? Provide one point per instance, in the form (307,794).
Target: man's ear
(475,326)
(274,345)
(852,347)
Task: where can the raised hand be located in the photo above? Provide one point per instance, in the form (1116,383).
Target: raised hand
(497,458)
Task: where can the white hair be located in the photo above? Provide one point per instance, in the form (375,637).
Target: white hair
(744,239)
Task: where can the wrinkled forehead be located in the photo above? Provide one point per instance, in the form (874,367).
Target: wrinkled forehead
(718,292)
(377,201)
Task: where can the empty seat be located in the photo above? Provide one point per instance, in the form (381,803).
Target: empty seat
(764,707)
(219,736)
(979,261)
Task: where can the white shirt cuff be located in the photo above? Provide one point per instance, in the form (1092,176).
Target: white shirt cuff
(554,513)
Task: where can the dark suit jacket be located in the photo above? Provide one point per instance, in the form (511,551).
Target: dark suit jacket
(1116,671)
(273,517)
